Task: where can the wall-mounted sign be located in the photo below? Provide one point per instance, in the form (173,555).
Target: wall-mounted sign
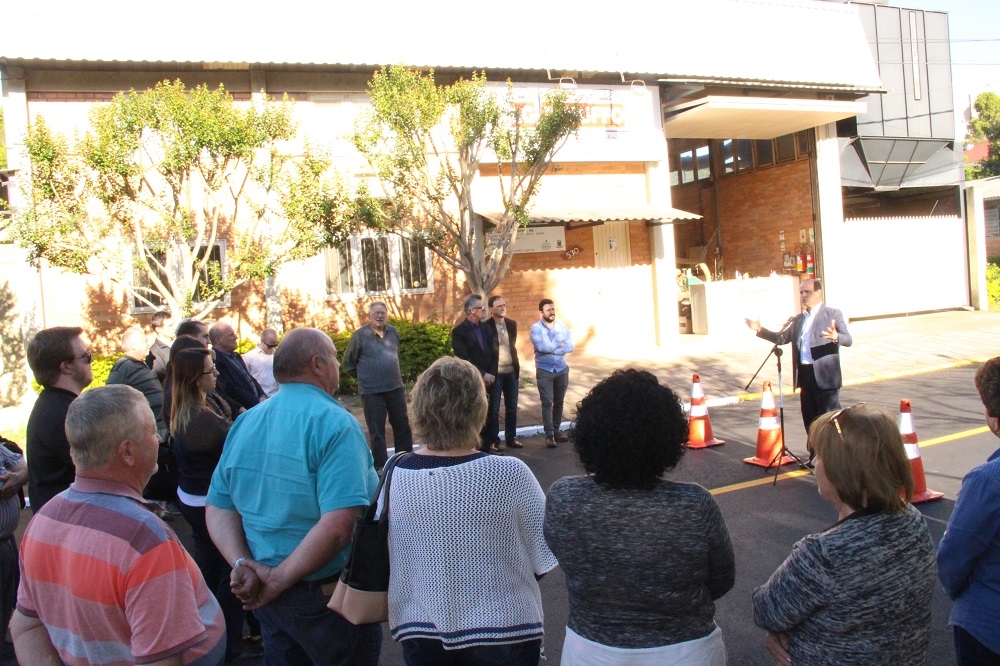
(540,239)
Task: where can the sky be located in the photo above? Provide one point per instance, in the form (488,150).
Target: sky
(975,44)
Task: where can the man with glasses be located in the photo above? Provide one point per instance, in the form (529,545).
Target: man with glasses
(817,334)
(552,342)
(474,342)
(260,361)
(60,360)
(372,356)
(508,371)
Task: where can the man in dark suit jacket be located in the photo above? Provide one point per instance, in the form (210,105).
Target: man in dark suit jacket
(475,343)
(235,381)
(815,365)
(508,371)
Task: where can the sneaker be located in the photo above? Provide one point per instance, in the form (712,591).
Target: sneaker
(562,437)
(550,442)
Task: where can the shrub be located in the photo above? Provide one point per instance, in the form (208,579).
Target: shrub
(993,283)
(245,345)
(420,343)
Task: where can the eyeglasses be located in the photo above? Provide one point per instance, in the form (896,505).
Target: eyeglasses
(837,414)
(274,346)
(476,308)
(87,357)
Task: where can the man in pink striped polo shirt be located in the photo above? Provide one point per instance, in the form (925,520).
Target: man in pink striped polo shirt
(103,580)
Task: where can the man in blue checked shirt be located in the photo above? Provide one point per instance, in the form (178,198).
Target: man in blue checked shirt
(552,342)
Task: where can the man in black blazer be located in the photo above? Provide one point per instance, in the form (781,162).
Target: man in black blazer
(508,371)
(475,343)
(816,364)
(235,382)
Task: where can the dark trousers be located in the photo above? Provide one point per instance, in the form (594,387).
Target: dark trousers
(552,391)
(970,652)
(215,570)
(429,652)
(10,576)
(376,406)
(506,387)
(814,400)
(299,630)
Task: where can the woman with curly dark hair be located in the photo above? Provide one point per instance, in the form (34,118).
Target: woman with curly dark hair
(644,558)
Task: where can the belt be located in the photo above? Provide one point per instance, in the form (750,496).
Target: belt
(320,583)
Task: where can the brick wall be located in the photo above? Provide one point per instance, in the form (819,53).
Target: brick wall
(754,207)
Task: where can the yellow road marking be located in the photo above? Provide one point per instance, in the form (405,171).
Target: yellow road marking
(801,472)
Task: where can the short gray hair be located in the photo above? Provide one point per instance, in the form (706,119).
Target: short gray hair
(449,404)
(297,349)
(99,420)
(134,338)
(470,300)
(374,303)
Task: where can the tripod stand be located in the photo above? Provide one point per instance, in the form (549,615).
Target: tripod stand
(784,452)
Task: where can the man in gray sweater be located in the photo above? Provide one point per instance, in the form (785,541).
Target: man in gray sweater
(372,356)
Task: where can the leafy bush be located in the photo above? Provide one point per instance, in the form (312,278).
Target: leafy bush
(420,344)
(245,345)
(993,283)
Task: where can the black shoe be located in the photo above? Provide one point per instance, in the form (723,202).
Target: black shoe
(550,442)
(809,463)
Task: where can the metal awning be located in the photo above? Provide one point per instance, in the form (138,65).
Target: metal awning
(610,212)
(720,117)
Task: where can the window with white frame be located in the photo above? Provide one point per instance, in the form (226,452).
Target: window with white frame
(214,271)
(992,216)
(378,264)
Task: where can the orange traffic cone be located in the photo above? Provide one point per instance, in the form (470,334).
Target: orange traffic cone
(909,433)
(699,425)
(769,440)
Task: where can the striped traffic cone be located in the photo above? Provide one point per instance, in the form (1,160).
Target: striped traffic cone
(769,440)
(699,425)
(909,433)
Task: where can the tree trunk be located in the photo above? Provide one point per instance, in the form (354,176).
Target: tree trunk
(272,297)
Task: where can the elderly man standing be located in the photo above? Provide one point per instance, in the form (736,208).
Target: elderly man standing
(473,341)
(294,475)
(372,356)
(103,580)
(60,361)
(552,342)
(235,380)
(131,370)
(260,361)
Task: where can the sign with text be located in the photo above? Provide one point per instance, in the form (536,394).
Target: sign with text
(540,239)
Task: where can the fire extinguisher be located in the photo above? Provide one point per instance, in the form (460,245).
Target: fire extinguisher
(810,265)
(800,259)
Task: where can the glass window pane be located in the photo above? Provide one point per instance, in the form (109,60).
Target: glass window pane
(786,147)
(687,167)
(375,263)
(142,281)
(703,163)
(765,152)
(727,158)
(413,268)
(805,139)
(338,270)
(744,154)
(211,275)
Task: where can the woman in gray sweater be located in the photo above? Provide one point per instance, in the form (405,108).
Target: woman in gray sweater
(644,558)
(860,591)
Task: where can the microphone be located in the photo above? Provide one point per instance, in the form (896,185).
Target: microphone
(787,323)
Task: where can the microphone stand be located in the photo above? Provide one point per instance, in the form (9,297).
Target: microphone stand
(776,461)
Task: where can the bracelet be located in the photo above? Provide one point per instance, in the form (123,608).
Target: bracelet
(240,560)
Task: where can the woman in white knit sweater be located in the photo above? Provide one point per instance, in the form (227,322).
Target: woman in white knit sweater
(465,535)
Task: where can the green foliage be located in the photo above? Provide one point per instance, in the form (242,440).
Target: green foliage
(3,143)
(993,283)
(162,174)
(420,343)
(986,127)
(245,345)
(425,142)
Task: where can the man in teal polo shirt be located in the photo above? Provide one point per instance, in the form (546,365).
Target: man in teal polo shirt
(294,475)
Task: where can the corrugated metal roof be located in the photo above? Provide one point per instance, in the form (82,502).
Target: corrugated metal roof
(805,41)
(610,212)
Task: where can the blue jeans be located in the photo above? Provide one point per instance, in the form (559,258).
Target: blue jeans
(429,652)
(970,652)
(552,391)
(299,629)
(505,386)
(376,406)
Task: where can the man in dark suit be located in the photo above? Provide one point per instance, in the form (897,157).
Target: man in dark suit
(508,371)
(235,381)
(816,334)
(474,342)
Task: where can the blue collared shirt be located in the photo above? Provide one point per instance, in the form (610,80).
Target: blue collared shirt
(550,355)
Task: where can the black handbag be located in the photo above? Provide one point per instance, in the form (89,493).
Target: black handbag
(162,486)
(362,593)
